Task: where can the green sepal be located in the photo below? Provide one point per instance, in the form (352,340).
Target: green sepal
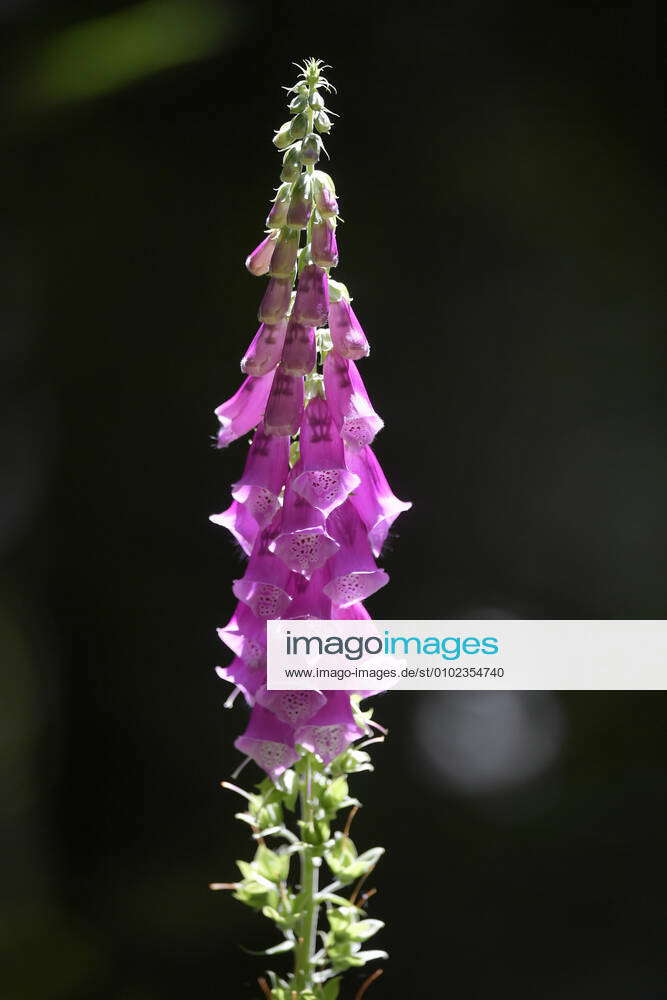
(346,866)
(334,795)
(255,895)
(351,762)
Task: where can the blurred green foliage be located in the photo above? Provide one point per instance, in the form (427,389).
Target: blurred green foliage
(107,53)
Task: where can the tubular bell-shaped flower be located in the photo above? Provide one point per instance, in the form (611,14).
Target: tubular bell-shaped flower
(259,260)
(264,475)
(353,574)
(240,522)
(269,742)
(303,543)
(311,306)
(373,500)
(299,352)
(263,586)
(243,410)
(265,349)
(347,336)
(350,406)
(285,404)
(331,730)
(323,480)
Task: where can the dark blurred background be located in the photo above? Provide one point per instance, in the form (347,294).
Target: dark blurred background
(500,174)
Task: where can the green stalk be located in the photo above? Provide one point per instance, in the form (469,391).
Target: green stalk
(303,969)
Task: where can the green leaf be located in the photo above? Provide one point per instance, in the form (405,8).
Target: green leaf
(331,989)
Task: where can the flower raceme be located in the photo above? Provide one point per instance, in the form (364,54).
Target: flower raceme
(311,509)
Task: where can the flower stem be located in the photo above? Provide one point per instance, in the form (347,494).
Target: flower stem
(303,970)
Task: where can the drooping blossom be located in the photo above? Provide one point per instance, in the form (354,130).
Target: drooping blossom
(331,729)
(299,351)
(323,479)
(265,349)
(244,409)
(311,305)
(284,406)
(259,261)
(303,542)
(268,741)
(263,586)
(264,474)
(373,500)
(325,247)
(350,406)
(283,259)
(347,336)
(293,707)
(353,573)
(276,300)
(239,521)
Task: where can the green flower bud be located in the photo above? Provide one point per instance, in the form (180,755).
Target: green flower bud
(310,149)
(298,103)
(316,102)
(278,214)
(322,122)
(282,137)
(299,127)
(291,164)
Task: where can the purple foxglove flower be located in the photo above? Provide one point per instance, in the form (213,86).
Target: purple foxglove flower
(245,635)
(324,246)
(311,306)
(331,730)
(308,597)
(269,742)
(244,410)
(301,204)
(263,586)
(303,543)
(323,478)
(283,261)
(353,574)
(259,260)
(351,408)
(293,707)
(299,351)
(277,217)
(324,194)
(265,349)
(276,300)
(240,522)
(373,499)
(284,407)
(242,675)
(264,475)
(347,337)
